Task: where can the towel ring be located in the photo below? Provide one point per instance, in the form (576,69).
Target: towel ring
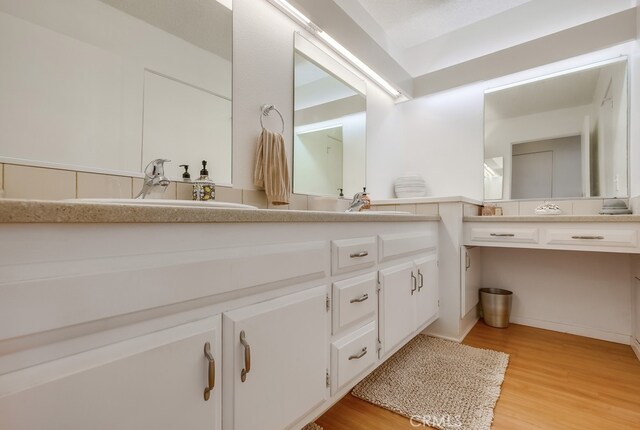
(265,112)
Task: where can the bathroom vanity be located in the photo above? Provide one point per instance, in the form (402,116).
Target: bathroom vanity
(129,317)
(593,300)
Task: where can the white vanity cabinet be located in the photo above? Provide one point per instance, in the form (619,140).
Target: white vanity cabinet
(109,330)
(275,361)
(155,381)
(408,290)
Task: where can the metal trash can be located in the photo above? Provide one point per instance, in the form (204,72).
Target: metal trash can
(496,306)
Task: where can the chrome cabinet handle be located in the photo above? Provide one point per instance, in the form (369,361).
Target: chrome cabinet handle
(421,280)
(467,258)
(359,355)
(212,371)
(415,283)
(247,357)
(359,254)
(360,299)
(502,234)
(588,237)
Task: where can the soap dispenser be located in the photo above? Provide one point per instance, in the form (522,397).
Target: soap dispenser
(186,176)
(365,199)
(204,188)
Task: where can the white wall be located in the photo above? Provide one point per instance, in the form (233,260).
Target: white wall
(585,293)
(263,73)
(442,140)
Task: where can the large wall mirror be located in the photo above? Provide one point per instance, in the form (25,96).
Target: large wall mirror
(108,85)
(561,136)
(330,118)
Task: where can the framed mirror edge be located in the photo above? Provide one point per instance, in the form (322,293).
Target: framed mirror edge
(620,58)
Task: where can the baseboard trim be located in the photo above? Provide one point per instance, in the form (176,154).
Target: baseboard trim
(635,345)
(571,329)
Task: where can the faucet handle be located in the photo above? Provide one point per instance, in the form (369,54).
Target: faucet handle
(156,167)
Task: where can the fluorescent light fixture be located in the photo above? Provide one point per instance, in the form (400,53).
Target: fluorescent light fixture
(336,46)
(553,75)
(347,55)
(292,11)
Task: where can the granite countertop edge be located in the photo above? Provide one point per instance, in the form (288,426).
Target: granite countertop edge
(18,211)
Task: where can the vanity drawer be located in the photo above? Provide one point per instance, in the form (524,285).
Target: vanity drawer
(399,245)
(353,254)
(352,355)
(354,299)
(592,237)
(505,235)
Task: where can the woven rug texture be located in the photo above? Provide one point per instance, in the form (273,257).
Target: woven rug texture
(443,384)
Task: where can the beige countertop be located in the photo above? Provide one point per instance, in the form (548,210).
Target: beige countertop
(554,218)
(50,211)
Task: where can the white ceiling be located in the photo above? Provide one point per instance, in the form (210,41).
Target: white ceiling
(408,23)
(425,36)
(204,23)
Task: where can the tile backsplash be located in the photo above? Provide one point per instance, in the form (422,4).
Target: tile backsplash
(29,182)
(568,207)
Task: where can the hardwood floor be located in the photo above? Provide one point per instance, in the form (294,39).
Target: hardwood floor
(554,381)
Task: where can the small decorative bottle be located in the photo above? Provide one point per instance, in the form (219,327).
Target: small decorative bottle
(204,188)
(366,200)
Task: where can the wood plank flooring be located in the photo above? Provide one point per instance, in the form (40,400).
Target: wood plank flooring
(554,381)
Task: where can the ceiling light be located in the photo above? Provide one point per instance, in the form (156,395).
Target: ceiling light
(336,46)
(292,11)
(346,54)
(556,74)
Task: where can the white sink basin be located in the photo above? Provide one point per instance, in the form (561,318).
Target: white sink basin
(165,202)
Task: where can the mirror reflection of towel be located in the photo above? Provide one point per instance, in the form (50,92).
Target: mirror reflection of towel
(272,169)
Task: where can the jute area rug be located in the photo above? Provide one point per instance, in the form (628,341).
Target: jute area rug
(438,383)
(312,426)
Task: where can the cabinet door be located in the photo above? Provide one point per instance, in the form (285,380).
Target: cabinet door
(155,381)
(286,349)
(428,292)
(398,291)
(470,273)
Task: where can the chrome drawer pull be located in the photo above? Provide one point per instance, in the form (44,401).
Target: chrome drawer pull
(502,234)
(212,371)
(588,237)
(421,280)
(359,355)
(247,357)
(360,299)
(359,254)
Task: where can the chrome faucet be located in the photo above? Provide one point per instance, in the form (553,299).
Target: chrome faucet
(154,179)
(357,202)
